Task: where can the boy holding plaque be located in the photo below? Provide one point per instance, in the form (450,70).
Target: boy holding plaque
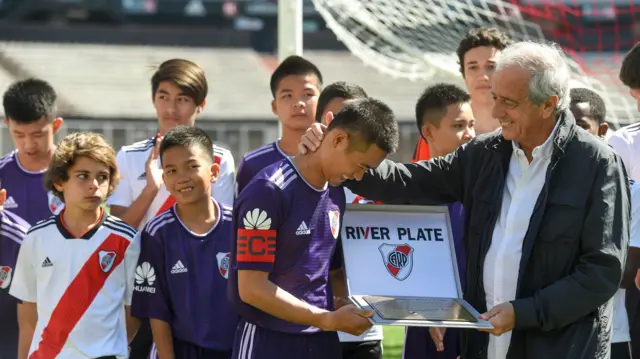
(445,120)
(287,222)
(331,101)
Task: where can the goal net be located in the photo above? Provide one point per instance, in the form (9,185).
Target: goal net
(417,39)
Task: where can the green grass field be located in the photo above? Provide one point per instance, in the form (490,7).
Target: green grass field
(392,343)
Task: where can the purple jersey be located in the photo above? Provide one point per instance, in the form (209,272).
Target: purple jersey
(12,231)
(289,229)
(255,161)
(181,279)
(26,195)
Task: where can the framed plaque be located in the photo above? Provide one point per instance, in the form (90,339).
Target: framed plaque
(400,262)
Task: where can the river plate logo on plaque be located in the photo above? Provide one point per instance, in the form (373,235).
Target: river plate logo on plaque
(398,259)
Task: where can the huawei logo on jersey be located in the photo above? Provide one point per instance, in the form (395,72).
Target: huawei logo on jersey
(257,219)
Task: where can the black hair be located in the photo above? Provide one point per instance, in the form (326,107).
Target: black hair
(369,121)
(596,103)
(630,68)
(29,100)
(340,89)
(432,104)
(187,137)
(293,65)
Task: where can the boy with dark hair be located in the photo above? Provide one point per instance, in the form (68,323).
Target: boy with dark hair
(30,114)
(75,270)
(295,86)
(332,100)
(630,72)
(589,110)
(625,140)
(179,90)
(478,52)
(181,289)
(335,96)
(288,223)
(445,120)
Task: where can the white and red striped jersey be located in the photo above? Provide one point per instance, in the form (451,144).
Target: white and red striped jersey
(80,287)
(132,161)
(624,143)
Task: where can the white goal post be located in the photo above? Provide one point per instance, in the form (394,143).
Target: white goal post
(290,32)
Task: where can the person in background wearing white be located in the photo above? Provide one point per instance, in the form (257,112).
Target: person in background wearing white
(589,110)
(626,142)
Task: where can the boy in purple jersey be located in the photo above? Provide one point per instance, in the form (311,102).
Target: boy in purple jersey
(29,108)
(445,120)
(295,86)
(288,224)
(30,114)
(333,99)
(12,232)
(185,253)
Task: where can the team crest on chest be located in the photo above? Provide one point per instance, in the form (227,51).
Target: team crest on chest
(334,223)
(5,276)
(106,258)
(398,259)
(55,203)
(224,261)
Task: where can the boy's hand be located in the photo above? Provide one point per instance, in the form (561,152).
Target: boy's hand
(348,319)
(437,335)
(311,140)
(152,168)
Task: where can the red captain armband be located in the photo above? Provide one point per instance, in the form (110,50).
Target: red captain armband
(256,246)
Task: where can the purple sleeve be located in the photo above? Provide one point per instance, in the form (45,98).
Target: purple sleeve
(151,295)
(259,214)
(13,229)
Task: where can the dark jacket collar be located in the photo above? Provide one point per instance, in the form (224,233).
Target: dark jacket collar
(565,132)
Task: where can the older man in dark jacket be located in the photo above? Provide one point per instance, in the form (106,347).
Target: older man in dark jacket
(548,213)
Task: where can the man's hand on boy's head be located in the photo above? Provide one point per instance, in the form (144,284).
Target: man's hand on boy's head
(312,138)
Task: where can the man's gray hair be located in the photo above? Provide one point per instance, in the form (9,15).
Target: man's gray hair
(550,74)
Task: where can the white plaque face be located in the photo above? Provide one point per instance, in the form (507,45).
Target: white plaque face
(407,253)
(400,262)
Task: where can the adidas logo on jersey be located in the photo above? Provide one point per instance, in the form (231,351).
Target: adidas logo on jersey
(10,203)
(143,176)
(47,263)
(303,229)
(178,268)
